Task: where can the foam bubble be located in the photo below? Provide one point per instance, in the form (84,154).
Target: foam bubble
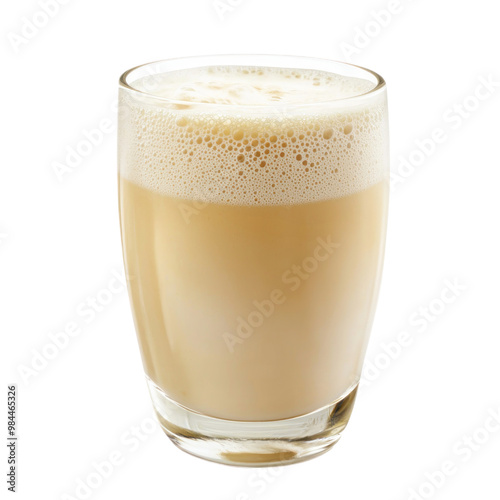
(238,136)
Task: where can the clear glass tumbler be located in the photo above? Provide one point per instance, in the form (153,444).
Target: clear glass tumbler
(253,206)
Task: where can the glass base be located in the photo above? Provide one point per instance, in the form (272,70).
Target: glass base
(253,444)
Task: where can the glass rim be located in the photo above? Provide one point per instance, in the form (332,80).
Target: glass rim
(191,62)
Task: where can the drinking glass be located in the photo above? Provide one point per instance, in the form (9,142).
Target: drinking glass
(253,204)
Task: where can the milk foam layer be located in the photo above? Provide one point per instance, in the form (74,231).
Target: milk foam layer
(252,136)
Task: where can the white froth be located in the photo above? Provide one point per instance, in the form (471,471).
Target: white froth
(239,86)
(246,147)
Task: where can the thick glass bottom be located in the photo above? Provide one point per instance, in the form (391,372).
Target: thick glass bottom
(253,444)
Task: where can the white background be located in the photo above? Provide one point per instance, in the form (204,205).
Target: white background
(59,245)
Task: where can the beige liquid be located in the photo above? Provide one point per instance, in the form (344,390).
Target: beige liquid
(253,275)
(189,283)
